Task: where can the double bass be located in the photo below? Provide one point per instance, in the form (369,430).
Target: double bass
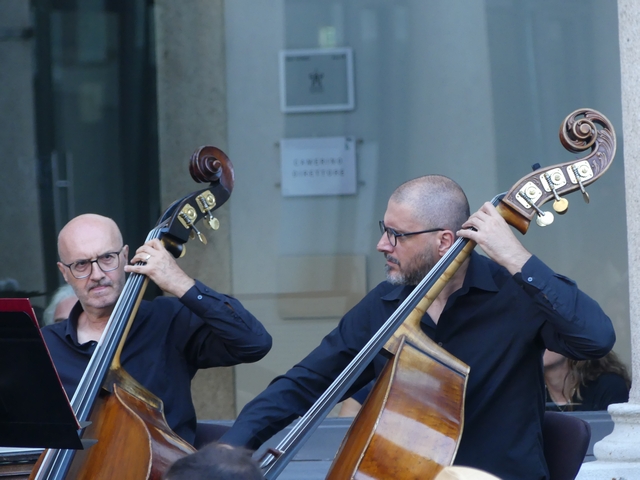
(124,429)
(411,423)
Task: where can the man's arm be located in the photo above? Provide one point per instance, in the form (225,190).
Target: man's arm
(230,334)
(224,332)
(290,395)
(576,325)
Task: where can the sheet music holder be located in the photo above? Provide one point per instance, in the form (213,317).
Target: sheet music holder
(34,408)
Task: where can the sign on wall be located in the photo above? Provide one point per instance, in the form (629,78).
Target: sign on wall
(318,166)
(316,80)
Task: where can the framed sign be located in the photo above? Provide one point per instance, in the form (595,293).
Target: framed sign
(317,80)
(318,166)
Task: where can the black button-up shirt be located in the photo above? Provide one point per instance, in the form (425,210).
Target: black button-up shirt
(498,324)
(170,339)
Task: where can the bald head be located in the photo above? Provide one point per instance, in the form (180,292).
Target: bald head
(436,200)
(86,238)
(85,231)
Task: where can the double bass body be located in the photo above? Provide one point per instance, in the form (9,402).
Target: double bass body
(135,441)
(410,425)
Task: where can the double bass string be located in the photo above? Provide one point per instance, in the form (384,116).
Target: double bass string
(103,355)
(293,441)
(57,461)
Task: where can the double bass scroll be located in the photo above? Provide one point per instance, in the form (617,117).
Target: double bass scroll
(581,130)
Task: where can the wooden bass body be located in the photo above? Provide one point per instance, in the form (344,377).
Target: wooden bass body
(411,423)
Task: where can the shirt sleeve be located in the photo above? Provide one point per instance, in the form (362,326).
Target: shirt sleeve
(292,394)
(225,332)
(575,325)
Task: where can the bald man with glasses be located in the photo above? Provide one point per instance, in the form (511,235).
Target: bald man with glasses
(496,314)
(171,337)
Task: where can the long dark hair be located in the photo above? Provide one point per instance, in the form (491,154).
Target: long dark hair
(582,372)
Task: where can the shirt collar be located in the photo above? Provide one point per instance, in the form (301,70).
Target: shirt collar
(478,276)
(398,292)
(71,330)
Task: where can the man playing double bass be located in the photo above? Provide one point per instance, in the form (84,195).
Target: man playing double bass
(496,314)
(170,338)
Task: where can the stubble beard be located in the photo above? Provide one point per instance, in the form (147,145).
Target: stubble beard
(414,273)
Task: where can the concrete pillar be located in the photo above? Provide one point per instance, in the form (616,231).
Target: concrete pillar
(618,455)
(191,71)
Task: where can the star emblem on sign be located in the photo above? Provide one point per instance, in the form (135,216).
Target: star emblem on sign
(316,81)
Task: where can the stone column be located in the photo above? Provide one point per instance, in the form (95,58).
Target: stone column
(618,455)
(191,72)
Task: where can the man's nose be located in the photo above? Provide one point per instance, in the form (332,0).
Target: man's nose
(96,271)
(384,245)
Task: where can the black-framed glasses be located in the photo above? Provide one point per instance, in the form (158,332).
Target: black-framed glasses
(107,262)
(392,235)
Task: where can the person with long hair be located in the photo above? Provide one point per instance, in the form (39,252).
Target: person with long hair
(585,385)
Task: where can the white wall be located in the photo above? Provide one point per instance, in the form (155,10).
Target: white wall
(475,90)
(397,141)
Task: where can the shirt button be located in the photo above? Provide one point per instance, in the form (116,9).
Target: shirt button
(199,297)
(440,344)
(530,279)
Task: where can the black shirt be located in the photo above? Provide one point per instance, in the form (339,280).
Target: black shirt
(608,388)
(498,324)
(170,339)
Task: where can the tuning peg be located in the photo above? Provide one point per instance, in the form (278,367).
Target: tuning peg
(544,218)
(213,223)
(560,205)
(585,195)
(201,237)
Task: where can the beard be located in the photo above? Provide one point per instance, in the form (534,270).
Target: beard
(417,269)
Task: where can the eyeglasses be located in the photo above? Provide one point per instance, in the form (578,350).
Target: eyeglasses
(392,235)
(107,262)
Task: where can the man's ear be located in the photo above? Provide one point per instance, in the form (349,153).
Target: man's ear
(63,270)
(125,252)
(447,239)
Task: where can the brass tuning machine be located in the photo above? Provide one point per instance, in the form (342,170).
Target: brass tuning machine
(187,217)
(560,205)
(543,219)
(207,202)
(578,175)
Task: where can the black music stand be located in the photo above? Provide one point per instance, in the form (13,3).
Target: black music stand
(34,408)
